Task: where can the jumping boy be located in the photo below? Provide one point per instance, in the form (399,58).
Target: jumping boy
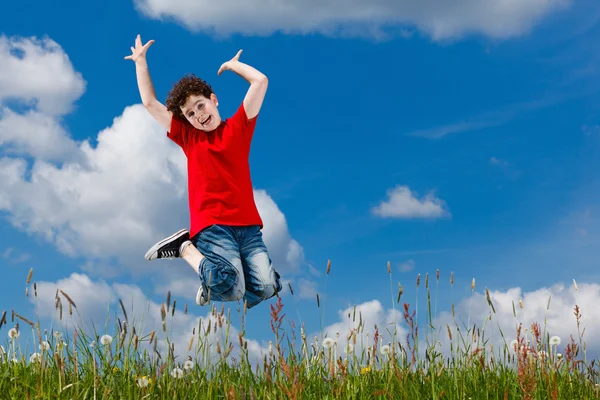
(224,245)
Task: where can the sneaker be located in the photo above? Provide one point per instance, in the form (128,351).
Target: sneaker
(200,298)
(169,248)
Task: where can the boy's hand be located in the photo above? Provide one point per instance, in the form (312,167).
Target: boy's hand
(227,66)
(139,51)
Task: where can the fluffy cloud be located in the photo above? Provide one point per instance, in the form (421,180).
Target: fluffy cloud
(38,71)
(108,202)
(402,203)
(440,19)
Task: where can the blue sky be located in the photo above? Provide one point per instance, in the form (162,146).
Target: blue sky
(488,121)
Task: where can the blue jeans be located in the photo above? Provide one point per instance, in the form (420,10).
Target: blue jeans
(236,264)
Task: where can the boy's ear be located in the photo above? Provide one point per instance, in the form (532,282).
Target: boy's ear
(213,97)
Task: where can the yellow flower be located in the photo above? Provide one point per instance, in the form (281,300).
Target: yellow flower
(365,370)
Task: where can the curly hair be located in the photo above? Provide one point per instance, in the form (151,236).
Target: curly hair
(187,86)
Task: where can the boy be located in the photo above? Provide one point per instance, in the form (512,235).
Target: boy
(224,245)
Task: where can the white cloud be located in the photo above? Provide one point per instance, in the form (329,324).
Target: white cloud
(439,19)
(38,71)
(36,134)
(407,266)
(557,319)
(15,256)
(402,203)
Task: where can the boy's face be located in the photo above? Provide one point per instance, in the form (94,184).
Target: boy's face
(202,113)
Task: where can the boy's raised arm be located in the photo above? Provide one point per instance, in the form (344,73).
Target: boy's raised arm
(154,107)
(257,80)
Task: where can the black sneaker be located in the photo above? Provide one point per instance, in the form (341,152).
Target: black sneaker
(168,248)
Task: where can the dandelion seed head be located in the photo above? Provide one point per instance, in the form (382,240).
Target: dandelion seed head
(44,346)
(177,373)
(514,344)
(385,349)
(189,364)
(35,357)
(106,340)
(554,341)
(349,348)
(13,333)
(328,342)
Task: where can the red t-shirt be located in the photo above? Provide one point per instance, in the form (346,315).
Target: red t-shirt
(219,183)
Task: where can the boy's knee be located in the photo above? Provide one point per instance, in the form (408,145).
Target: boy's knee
(223,280)
(270,286)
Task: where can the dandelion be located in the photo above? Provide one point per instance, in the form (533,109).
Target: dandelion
(385,350)
(44,346)
(93,344)
(554,341)
(35,357)
(13,333)
(106,340)
(143,381)
(514,344)
(328,342)
(365,370)
(177,373)
(189,364)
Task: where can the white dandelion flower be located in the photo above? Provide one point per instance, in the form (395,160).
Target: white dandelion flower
(513,345)
(349,348)
(143,381)
(177,373)
(106,340)
(189,364)
(44,346)
(554,341)
(13,333)
(328,342)
(559,356)
(385,349)
(35,357)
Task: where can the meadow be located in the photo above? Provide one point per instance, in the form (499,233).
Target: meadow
(369,362)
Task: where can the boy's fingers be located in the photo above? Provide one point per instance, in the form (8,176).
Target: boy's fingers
(132,49)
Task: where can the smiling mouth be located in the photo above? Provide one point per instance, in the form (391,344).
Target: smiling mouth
(207,120)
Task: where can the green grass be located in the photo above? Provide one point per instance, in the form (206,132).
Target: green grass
(361,366)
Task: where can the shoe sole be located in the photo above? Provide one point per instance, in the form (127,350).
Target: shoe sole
(154,249)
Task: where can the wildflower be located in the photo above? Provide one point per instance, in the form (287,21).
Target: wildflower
(106,340)
(385,349)
(365,370)
(554,341)
(177,373)
(559,356)
(44,346)
(189,364)
(328,342)
(13,333)
(143,381)
(514,344)
(35,357)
